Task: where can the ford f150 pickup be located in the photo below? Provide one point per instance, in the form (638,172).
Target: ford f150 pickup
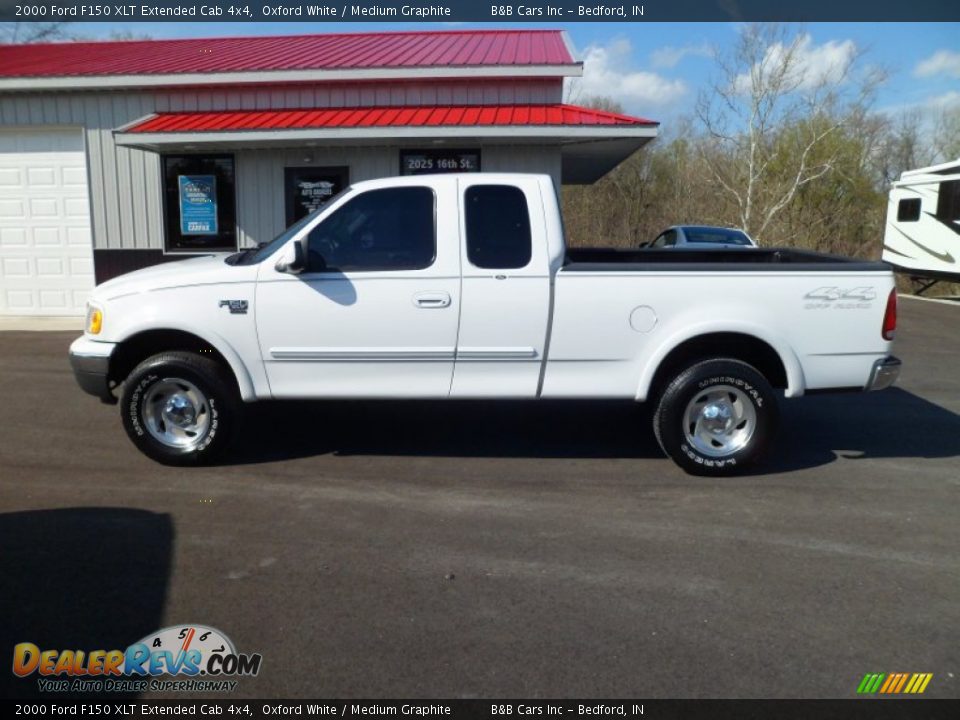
(460,286)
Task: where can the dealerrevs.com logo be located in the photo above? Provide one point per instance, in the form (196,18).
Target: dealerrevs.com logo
(200,658)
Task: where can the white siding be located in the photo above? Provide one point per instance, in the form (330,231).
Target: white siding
(126,201)
(537,159)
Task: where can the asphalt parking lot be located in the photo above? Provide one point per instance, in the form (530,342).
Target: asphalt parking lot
(501,550)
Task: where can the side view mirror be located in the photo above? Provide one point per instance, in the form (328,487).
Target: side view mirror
(293,260)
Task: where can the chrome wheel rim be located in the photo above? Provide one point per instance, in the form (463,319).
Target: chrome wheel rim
(719,421)
(176,413)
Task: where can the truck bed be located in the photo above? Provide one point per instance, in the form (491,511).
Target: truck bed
(721,259)
(616,310)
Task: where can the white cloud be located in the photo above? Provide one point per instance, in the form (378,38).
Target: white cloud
(948,99)
(606,73)
(813,65)
(925,106)
(942,62)
(669,57)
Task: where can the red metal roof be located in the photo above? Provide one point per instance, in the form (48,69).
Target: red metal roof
(341,51)
(405,116)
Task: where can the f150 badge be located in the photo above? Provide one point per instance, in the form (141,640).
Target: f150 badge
(237,307)
(858,298)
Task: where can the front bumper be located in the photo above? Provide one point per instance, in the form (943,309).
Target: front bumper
(90,361)
(884,373)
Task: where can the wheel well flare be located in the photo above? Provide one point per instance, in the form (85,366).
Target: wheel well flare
(737,346)
(137,348)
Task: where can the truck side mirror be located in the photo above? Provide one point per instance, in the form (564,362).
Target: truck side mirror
(293,260)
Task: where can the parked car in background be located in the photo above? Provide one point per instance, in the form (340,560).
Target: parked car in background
(701,237)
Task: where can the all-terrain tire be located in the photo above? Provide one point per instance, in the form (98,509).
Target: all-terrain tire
(180,408)
(701,426)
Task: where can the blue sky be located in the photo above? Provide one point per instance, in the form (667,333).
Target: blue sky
(656,69)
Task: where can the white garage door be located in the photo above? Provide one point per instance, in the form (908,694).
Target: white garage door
(46,256)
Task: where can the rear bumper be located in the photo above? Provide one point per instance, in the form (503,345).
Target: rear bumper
(884,373)
(91,367)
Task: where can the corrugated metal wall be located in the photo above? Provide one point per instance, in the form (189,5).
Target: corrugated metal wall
(126,204)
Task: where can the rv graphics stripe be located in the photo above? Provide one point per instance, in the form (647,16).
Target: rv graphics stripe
(943,257)
(897,252)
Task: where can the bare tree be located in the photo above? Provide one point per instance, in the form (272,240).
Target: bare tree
(768,82)
(906,145)
(32,32)
(946,134)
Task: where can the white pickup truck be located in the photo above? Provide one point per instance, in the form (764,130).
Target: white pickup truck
(459,286)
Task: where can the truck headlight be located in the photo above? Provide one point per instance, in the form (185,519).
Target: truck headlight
(94,320)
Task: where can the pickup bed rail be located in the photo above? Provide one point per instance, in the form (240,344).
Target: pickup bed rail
(692,260)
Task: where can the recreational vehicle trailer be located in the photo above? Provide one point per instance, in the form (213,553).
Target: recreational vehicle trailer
(922,236)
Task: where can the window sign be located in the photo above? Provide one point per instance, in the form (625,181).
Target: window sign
(198,204)
(423,162)
(309,188)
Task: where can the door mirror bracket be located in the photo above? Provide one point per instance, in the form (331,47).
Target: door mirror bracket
(293,260)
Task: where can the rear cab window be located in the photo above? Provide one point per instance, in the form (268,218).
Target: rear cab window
(497,227)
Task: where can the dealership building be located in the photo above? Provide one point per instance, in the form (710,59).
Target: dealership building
(119,155)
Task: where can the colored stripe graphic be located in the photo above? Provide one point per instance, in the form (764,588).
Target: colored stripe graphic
(894,683)
(891,682)
(870,683)
(903,679)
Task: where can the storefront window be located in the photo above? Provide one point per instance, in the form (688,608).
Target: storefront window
(199,203)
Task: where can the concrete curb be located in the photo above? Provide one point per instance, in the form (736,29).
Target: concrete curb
(40,324)
(942,301)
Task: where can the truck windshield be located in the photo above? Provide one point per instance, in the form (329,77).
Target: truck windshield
(251,256)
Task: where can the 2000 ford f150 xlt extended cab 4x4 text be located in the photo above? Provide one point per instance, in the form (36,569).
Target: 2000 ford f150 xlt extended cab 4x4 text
(459,286)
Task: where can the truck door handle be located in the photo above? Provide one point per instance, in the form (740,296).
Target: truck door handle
(431,300)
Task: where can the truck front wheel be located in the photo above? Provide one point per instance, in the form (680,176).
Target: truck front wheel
(717,417)
(179,408)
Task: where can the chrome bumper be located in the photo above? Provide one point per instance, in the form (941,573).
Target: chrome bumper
(884,373)
(91,366)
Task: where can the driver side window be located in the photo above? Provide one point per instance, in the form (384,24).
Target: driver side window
(388,229)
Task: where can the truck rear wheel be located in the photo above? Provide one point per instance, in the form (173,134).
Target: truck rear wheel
(179,408)
(717,417)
